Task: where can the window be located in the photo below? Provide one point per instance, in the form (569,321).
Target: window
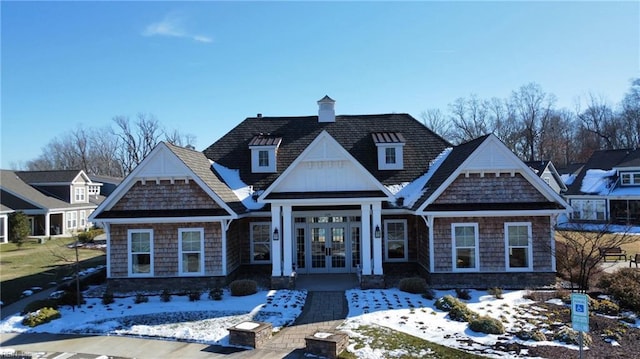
(72,220)
(94,190)
(191,244)
(80,194)
(140,252)
(395,234)
(390,155)
(83,219)
(589,209)
(263,158)
(518,246)
(465,246)
(630,179)
(260,242)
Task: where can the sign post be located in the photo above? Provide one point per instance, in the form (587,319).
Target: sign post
(580,315)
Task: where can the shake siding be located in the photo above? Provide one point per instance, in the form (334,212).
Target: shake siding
(234,246)
(492,242)
(165,196)
(490,189)
(165,251)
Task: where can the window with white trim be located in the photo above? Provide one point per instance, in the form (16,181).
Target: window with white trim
(72,220)
(465,242)
(630,178)
(395,235)
(589,209)
(260,242)
(191,247)
(518,246)
(80,194)
(140,251)
(263,158)
(83,219)
(390,156)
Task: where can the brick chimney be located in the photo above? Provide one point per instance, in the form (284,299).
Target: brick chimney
(326,110)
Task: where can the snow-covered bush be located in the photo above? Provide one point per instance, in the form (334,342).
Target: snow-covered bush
(486,325)
(44,315)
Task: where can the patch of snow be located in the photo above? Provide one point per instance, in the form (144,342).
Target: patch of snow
(568,179)
(412,191)
(247,325)
(596,181)
(243,191)
(27,293)
(322,335)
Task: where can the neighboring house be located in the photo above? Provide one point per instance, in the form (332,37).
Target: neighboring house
(56,202)
(547,171)
(4,223)
(109,184)
(331,194)
(607,188)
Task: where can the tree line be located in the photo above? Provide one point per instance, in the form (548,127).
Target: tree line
(111,151)
(530,124)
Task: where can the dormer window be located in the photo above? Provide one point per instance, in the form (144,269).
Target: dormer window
(390,145)
(264,149)
(630,179)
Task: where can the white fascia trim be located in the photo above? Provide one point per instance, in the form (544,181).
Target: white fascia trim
(326,201)
(162,220)
(492,213)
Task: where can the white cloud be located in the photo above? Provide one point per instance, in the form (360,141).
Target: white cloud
(173,26)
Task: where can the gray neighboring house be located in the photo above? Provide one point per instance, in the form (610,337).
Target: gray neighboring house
(547,171)
(56,202)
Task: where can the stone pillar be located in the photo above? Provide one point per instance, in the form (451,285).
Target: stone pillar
(276,251)
(287,240)
(366,238)
(377,242)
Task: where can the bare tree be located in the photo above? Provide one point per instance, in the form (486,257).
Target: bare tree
(177,138)
(598,118)
(437,122)
(469,119)
(135,141)
(532,108)
(630,116)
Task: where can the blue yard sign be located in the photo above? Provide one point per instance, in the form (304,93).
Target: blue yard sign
(580,312)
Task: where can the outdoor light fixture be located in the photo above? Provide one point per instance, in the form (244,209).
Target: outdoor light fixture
(376,232)
(276,234)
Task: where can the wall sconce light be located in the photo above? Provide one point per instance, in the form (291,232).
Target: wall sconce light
(276,235)
(376,232)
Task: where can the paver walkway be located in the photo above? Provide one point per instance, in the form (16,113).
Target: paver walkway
(323,311)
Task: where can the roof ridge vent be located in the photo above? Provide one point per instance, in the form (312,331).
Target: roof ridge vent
(326,109)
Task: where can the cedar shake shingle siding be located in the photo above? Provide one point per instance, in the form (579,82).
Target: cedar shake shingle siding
(165,248)
(490,189)
(165,196)
(492,242)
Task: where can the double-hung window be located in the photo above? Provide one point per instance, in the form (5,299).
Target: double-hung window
(72,220)
(396,240)
(140,252)
(80,194)
(518,245)
(191,257)
(465,247)
(260,242)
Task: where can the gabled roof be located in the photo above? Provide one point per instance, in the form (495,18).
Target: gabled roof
(353,133)
(539,167)
(19,195)
(605,160)
(62,176)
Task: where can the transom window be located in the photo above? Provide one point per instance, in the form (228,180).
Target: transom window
(465,246)
(518,245)
(630,178)
(140,252)
(191,243)
(395,234)
(260,242)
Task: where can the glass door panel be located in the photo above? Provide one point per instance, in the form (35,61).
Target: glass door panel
(338,248)
(318,248)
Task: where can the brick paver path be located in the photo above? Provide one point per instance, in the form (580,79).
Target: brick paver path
(322,311)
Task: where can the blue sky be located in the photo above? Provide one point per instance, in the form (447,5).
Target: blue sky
(203,67)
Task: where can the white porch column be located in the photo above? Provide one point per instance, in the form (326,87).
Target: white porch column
(366,238)
(553,220)
(377,242)
(107,231)
(287,241)
(47,224)
(432,252)
(223,235)
(276,248)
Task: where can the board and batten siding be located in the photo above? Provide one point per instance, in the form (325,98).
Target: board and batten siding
(166,196)
(165,248)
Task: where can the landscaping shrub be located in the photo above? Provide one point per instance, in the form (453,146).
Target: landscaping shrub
(531,335)
(165,296)
(194,295)
(606,307)
(215,294)
(429,294)
(570,336)
(446,303)
(242,287)
(486,325)
(414,285)
(44,315)
(463,294)
(39,304)
(458,310)
(141,298)
(539,336)
(107,298)
(496,292)
(624,286)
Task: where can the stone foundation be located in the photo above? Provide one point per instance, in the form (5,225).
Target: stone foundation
(504,280)
(172,284)
(283,282)
(326,344)
(372,281)
(250,334)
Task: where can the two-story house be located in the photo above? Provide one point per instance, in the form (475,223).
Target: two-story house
(56,202)
(607,188)
(331,194)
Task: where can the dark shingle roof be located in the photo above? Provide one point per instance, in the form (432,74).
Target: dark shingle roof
(538,166)
(352,132)
(28,196)
(63,176)
(605,160)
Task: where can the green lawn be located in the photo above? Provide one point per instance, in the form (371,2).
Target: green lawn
(39,265)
